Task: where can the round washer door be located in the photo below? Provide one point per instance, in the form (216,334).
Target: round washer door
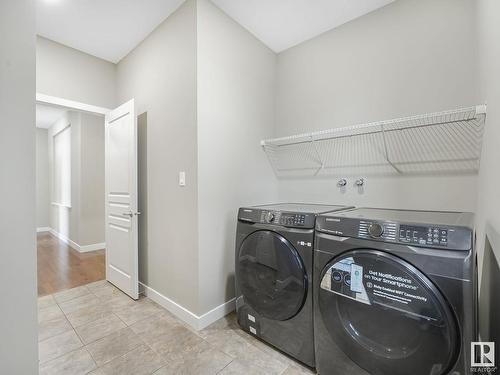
(271,275)
(386,315)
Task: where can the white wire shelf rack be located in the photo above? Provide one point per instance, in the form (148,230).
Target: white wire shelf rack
(443,142)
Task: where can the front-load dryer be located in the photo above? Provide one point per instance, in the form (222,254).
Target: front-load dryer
(395,292)
(274,263)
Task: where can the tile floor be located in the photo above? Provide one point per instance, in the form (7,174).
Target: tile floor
(96,329)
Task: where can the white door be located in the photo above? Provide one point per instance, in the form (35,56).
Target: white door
(121,199)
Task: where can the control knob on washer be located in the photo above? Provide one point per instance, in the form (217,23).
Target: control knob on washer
(270,217)
(375,230)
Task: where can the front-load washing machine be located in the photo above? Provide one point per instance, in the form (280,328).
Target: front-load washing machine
(395,292)
(274,262)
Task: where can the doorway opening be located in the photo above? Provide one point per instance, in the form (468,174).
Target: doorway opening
(70,183)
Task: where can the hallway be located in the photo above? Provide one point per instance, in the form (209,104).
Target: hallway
(60,267)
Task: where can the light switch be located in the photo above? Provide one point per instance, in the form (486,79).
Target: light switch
(182,178)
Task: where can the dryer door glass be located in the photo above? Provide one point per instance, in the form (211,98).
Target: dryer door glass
(271,275)
(386,315)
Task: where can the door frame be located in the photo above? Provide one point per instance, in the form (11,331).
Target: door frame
(70,104)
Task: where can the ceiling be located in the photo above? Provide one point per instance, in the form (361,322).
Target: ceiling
(110,29)
(282,24)
(46,115)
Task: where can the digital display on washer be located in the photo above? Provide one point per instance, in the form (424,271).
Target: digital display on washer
(423,235)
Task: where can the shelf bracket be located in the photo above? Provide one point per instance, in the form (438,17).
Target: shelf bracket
(318,156)
(386,152)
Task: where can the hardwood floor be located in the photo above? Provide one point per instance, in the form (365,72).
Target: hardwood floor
(60,267)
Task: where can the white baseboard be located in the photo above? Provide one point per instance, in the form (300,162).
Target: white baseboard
(74,245)
(216,313)
(42,229)
(92,247)
(195,321)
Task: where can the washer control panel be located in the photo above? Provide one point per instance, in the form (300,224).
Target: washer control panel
(293,219)
(287,219)
(421,235)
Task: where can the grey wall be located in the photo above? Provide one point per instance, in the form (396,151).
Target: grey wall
(410,57)
(83,222)
(161,75)
(70,74)
(488,213)
(92,215)
(18,322)
(142,170)
(42,179)
(236,81)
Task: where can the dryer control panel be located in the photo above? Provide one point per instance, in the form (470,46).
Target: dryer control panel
(423,235)
(413,234)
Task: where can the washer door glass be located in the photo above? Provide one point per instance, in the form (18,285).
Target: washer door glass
(386,315)
(271,275)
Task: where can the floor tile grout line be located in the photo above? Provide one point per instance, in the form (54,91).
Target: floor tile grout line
(62,333)
(123,355)
(71,299)
(62,355)
(131,350)
(222,369)
(75,327)
(71,324)
(148,345)
(57,334)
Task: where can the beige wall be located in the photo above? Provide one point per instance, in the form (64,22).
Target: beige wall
(67,73)
(83,222)
(160,74)
(18,322)
(236,81)
(42,179)
(410,57)
(488,213)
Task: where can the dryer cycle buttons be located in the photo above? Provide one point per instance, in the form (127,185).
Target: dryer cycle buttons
(419,235)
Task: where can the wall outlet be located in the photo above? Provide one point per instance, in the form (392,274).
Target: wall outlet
(182,178)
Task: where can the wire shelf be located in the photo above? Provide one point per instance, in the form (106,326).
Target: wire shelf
(435,143)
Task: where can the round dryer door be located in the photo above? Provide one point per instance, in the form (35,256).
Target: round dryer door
(386,315)
(271,275)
